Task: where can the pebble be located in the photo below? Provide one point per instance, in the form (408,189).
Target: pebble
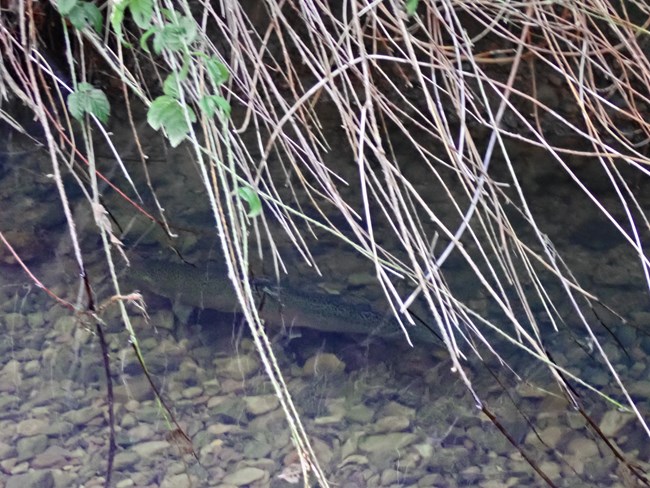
(14,320)
(138,389)
(583,448)
(550,436)
(35,320)
(551,469)
(239,368)
(27,447)
(391,423)
(336,409)
(396,409)
(323,364)
(32,479)
(613,421)
(354,459)
(10,376)
(82,416)
(258,405)
(386,442)
(52,457)
(125,459)
(192,392)
(6,450)
(244,476)
(31,427)
(179,481)
(640,388)
(360,413)
(7,402)
(150,449)
(32,367)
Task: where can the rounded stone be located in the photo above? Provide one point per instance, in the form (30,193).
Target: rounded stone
(583,448)
(32,427)
(386,442)
(192,392)
(240,367)
(258,405)
(391,423)
(613,421)
(244,476)
(323,365)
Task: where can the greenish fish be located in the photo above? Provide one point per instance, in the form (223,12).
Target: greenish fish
(209,288)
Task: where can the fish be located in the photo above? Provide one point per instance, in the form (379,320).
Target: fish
(208,287)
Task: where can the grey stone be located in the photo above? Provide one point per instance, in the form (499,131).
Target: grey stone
(244,476)
(7,402)
(6,450)
(613,421)
(82,416)
(386,442)
(391,423)
(31,427)
(36,320)
(59,428)
(29,447)
(257,448)
(125,459)
(323,364)
(52,457)
(151,448)
(192,392)
(14,320)
(360,413)
(258,405)
(239,368)
(32,479)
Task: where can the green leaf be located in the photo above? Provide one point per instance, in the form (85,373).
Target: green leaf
(85,14)
(145,37)
(211,103)
(171,85)
(142,12)
(250,196)
(217,71)
(89,100)
(65,6)
(175,36)
(169,14)
(411,6)
(166,112)
(117,18)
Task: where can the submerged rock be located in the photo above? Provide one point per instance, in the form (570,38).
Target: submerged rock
(323,364)
(244,476)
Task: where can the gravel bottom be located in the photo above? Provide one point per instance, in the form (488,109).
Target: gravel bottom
(378,415)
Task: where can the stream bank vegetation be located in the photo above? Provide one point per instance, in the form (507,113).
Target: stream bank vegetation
(448,88)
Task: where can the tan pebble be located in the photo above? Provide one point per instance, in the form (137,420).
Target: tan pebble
(239,368)
(551,469)
(550,436)
(583,448)
(354,459)
(323,364)
(391,423)
(192,392)
(220,429)
(20,468)
(613,421)
(257,405)
(32,427)
(132,406)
